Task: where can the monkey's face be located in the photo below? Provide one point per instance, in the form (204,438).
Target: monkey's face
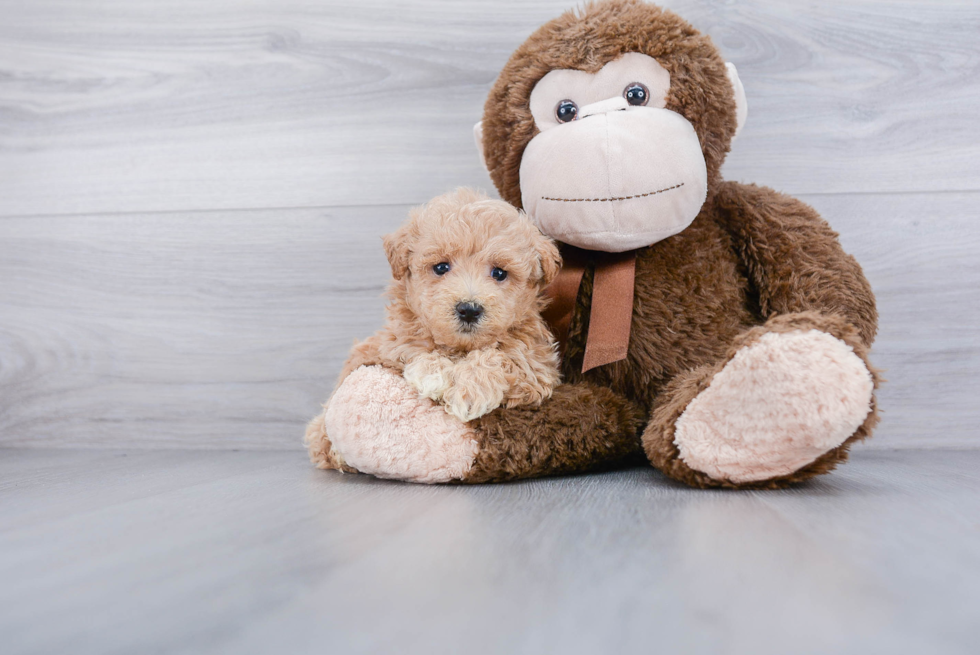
(609,125)
(611,168)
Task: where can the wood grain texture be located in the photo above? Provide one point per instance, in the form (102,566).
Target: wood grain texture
(151,293)
(127,106)
(181,329)
(227,329)
(127,552)
(920,253)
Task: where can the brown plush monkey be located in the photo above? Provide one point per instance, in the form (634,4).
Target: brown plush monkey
(716,329)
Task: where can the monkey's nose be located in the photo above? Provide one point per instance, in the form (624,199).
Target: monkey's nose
(603,107)
(469,312)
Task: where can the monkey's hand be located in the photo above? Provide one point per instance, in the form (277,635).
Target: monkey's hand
(429,374)
(379,424)
(478,385)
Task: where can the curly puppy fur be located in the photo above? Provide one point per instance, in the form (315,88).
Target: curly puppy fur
(507,357)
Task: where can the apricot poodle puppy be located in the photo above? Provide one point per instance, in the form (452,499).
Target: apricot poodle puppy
(464,322)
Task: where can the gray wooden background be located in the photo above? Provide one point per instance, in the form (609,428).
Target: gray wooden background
(192,193)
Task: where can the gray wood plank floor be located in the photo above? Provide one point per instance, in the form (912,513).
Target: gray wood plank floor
(249,552)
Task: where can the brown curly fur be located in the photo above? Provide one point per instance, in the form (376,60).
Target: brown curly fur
(753,261)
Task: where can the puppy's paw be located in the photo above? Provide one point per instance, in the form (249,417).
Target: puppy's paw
(469,404)
(429,374)
(477,386)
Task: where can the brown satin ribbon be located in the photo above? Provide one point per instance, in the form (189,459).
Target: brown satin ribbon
(562,292)
(612,303)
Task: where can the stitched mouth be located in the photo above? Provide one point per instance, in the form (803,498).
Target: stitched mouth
(639,195)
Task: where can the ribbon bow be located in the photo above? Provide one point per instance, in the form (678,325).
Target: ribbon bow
(612,303)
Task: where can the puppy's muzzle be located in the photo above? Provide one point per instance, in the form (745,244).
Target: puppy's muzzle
(469,313)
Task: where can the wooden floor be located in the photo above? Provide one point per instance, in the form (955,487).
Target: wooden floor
(249,552)
(191,199)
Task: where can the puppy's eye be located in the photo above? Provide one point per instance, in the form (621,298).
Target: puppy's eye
(498,274)
(636,94)
(441,268)
(566,111)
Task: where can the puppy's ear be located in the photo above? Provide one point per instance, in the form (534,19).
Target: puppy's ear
(398,248)
(550,259)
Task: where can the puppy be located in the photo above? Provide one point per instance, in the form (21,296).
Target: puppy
(464,324)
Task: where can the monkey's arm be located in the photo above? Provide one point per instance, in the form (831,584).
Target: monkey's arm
(379,424)
(794,259)
(579,428)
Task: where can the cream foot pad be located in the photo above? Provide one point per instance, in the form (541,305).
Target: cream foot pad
(779,404)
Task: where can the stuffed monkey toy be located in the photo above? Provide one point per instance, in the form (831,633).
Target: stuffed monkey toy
(715,330)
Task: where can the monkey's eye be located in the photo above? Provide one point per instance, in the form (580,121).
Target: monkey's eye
(636,94)
(566,111)
(498,274)
(441,268)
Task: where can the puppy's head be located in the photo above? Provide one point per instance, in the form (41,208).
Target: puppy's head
(469,268)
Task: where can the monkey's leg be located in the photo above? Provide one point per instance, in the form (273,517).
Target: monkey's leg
(378,424)
(784,405)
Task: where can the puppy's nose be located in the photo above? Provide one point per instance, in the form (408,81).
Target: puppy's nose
(469,312)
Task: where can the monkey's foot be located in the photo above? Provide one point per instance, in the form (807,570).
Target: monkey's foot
(776,406)
(378,424)
(780,410)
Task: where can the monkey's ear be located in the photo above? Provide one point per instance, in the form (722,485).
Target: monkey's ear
(550,260)
(741,104)
(478,135)
(398,249)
